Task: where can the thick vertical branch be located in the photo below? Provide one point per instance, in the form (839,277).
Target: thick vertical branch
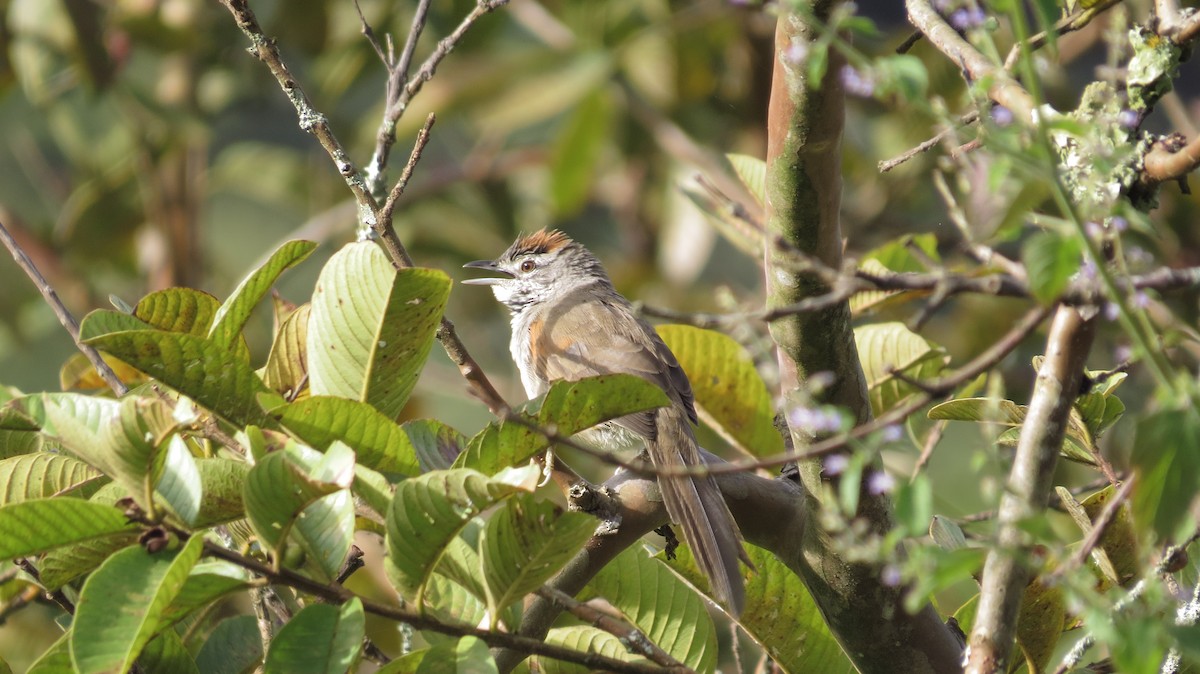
(803,195)
(1007,570)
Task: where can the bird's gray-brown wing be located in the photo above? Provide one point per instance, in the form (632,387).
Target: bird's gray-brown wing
(577,340)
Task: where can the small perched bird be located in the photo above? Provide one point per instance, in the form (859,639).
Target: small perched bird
(568,322)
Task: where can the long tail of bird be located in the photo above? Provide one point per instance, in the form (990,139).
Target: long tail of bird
(696,505)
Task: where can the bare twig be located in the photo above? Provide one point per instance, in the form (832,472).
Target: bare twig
(384,227)
(889,164)
(1171,159)
(1004,89)
(64,316)
(633,638)
(398,97)
(1068,24)
(339,594)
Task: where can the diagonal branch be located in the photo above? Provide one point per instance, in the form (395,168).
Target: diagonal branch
(1008,569)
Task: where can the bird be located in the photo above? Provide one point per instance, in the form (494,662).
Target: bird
(568,323)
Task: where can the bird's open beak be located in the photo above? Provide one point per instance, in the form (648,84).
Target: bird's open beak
(486,265)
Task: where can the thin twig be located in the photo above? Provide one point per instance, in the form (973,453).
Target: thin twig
(889,164)
(64,316)
(1068,24)
(339,594)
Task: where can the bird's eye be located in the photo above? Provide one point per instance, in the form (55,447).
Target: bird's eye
(528,266)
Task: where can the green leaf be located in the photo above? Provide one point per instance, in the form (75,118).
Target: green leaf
(461,563)
(165,654)
(586,639)
(18,443)
(780,614)
(234,647)
(79,373)
(287,365)
(992,410)
(207,582)
(904,74)
(231,317)
(42,475)
(577,149)
(727,387)
(121,604)
(570,406)
(946,533)
(898,255)
(56,659)
(1050,261)
(655,600)
(106,321)
(427,513)
(752,171)
(1168,471)
(436,444)
(78,421)
(372,327)
(129,450)
(379,442)
(183,310)
(320,639)
(301,488)
(463,656)
(44,524)
(524,544)
(197,368)
(221,483)
(63,565)
(451,602)
(179,483)
(1120,539)
(886,348)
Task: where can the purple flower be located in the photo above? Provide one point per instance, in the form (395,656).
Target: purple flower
(880,483)
(1118,223)
(815,420)
(1094,229)
(1141,300)
(890,576)
(1123,353)
(893,433)
(1087,269)
(966,18)
(1128,119)
(835,464)
(1111,311)
(1001,115)
(856,83)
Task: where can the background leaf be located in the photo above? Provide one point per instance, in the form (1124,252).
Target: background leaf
(1050,261)
(885,348)
(1168,471)
(320,639)
(727,386)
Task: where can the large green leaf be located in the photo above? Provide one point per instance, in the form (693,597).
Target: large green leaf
(231,317)
(1079,444)
(77,421)
(63,565)
(16,443)
(570,407)
(122,602)
(287,365)
(166,654)
(131,444)
(179,483)
(42,475)
(886,348)
(780,614)
(303,489)
(221,483)
(56,659)
(207,582)
(198,368)
(586,639)
(176,310)
(1168,471)
(428,512)
(378,441)
(1050,261)
(372,327)
(727,386)
(661,605)
(320,639)
(524,544)
(105,321)
(234,647)
(436,444)
(44,524)
(462,656)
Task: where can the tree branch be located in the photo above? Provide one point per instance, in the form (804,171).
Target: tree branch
(1007,569)
(803,195)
